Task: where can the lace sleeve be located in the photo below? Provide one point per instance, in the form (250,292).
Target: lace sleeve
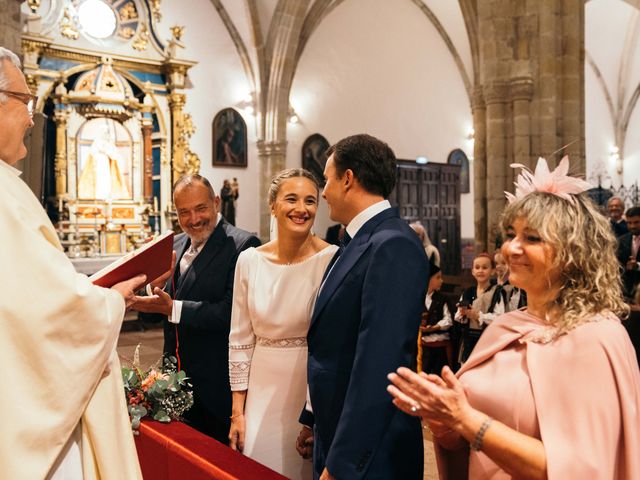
(241,337)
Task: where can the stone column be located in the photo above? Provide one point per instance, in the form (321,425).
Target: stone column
(573,80)
(147,190)
(479,111)
(520,92)
(272,157)
(60,165)
(10,26)
(495,97)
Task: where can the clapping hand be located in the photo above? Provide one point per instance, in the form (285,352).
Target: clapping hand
(442,400)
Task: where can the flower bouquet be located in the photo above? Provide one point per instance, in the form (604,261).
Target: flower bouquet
(161,392)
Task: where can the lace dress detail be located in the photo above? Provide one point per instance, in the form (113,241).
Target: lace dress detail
(294,342)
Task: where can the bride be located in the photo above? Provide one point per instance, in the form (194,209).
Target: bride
(274,292)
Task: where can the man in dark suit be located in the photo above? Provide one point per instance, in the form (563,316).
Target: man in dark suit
(629,253)
(615,206)
(365,322)
(196,302)
(629,257)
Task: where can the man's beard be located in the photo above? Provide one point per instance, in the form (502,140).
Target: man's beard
(202,235)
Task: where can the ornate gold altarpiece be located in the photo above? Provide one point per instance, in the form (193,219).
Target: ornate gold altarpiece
(116,104)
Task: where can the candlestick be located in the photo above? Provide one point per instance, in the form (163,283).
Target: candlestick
(155,204)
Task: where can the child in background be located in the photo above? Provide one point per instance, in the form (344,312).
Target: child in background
(510,297)
(436,322)
(470,316)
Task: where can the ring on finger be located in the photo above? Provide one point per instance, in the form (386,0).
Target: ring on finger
(414,408)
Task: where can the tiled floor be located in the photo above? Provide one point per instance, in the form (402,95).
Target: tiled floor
(150,339)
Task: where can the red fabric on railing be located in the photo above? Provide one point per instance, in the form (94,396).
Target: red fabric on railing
(171,451)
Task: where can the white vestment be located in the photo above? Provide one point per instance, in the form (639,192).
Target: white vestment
(57,352)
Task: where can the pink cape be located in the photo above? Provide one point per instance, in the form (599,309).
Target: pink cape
(586,388)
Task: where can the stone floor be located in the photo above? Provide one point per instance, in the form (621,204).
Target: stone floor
(150,337)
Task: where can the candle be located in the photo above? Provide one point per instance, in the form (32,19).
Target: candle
(155,204)
(59,204)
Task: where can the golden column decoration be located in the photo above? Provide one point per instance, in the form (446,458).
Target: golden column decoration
(60,119)
(176,104)
(182,128)
(147,129)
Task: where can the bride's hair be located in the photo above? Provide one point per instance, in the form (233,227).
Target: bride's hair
(279,178)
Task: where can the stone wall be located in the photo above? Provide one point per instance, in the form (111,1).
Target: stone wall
(529,95)
(10,25)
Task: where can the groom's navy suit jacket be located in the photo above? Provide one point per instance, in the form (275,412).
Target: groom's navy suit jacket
(364,325)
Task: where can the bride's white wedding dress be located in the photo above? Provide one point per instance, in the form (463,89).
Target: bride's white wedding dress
(272,307)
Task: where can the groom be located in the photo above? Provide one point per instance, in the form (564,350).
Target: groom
(365,322)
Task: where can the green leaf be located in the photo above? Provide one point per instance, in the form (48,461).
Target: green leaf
(161,416)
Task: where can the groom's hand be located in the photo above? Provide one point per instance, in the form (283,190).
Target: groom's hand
(304,442)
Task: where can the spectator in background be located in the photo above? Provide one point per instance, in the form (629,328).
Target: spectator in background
(471,317)
(629,256)
(615,205)
(436,322)
(430,249)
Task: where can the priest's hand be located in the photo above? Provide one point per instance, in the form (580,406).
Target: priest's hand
(128,288)
(159,302)
(161,281)
(236,432)
(304,442)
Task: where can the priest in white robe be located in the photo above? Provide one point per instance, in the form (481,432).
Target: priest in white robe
(63,412)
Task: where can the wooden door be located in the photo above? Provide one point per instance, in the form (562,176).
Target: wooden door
(431,194)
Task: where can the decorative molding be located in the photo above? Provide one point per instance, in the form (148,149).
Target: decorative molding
(521,88)
(495,92)
(272,148)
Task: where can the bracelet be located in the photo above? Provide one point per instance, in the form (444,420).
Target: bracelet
(477,441)
(236,415)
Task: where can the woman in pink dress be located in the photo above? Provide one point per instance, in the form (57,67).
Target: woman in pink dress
(551,391)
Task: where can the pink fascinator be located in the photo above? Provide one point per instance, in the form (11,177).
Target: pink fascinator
(544,180)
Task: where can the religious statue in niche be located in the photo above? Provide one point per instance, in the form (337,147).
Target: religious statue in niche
(229,139)
(458,157)
(104,154)
(314,155)
(229,196)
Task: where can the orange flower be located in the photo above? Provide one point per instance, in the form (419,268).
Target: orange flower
(153,376)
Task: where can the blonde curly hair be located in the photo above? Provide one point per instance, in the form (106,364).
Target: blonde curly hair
(585,254)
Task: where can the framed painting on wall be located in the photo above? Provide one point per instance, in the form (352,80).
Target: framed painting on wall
(458,157)
(229,139)
(314,156)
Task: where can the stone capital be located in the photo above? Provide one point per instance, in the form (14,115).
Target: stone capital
(269,148)
(477,98)
(495,92)
(521,88)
